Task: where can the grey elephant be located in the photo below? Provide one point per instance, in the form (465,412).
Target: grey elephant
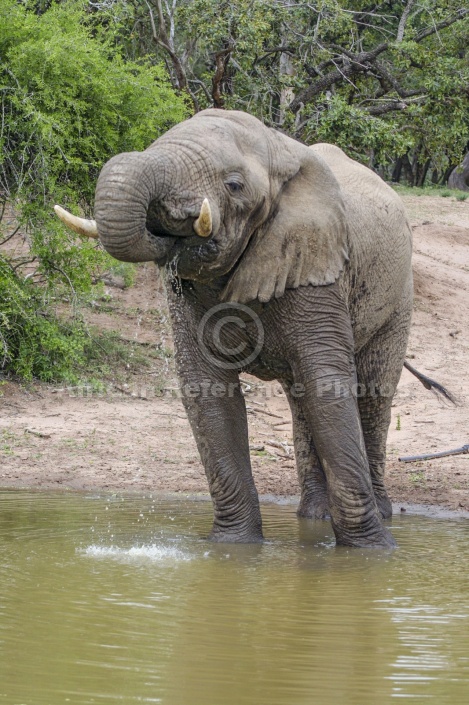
(288,262)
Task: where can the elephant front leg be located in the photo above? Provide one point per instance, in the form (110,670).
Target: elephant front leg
(216,410)
(217,414)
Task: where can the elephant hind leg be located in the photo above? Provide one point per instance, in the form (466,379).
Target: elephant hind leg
(375,416)
(379,366)
(311,477)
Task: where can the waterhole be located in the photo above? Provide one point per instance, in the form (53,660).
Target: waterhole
(112,599)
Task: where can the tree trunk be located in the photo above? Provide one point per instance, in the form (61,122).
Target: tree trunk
(445,175)
(407,166)
(422,170)
(396,172)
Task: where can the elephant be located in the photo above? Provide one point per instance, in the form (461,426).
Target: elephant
(291,263)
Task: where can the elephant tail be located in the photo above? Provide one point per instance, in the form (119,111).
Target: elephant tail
(429,383)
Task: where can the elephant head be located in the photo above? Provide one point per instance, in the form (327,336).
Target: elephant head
(222,197)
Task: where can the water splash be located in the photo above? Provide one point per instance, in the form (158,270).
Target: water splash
(151,552)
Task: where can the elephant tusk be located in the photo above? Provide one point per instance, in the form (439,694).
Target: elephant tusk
(203,224)
(82,226)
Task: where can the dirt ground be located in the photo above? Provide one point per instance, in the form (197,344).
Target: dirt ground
(134,436)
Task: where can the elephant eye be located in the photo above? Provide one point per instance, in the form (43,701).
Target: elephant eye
(234,186)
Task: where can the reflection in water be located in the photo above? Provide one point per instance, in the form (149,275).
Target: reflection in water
(120,600)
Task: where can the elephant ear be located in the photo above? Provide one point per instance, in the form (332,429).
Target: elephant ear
(304,240)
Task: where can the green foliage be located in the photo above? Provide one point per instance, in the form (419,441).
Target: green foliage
(382,80)
(37,342)
(69,101)
(359,134)
(126,270)
(33,342)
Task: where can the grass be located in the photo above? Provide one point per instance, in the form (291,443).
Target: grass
(108,356)
(417,478)
(442,191)
(9,441)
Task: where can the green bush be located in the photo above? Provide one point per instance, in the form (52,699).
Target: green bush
(69,101)
(33,341)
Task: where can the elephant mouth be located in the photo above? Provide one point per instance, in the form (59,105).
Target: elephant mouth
(189,253)
(172,231)
(163,221)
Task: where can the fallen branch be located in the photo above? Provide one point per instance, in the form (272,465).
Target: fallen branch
(39,434)
(430,456)
(264,411)
(287,449)
(129,393)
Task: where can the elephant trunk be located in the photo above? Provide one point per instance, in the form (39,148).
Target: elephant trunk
(126,187)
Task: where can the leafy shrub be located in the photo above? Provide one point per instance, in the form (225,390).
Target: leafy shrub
(69,101)
(33,341)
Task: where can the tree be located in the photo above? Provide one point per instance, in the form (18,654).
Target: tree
(69,101)
(389,81)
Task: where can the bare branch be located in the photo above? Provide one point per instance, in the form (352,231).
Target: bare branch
(160,37)
(389,82)
(360,63)
(275,50)
(200,83)
(365,62)
(460,14)
(65,276)
(403,20)
(10,236)
(221,61)
(23,263)
(387,108)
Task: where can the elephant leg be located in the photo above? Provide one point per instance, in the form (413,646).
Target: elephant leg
(217,414)
(379,366)
(220,428)
(375,414)
(311,477)
(321,354)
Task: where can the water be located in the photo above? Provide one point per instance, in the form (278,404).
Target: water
(105,599)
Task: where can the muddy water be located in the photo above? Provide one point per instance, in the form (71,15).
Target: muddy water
(105,599)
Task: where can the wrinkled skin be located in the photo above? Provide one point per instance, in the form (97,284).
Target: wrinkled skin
(319,250)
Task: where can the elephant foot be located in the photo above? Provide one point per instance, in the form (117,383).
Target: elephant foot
(223,535)
(381,538)
(315,507)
